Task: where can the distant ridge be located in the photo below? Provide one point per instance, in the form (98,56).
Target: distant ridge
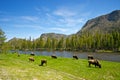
(52,35)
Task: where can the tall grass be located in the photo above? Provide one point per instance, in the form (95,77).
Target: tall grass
(13,67)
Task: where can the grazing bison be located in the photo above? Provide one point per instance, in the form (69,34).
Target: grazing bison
(94,62)
(90,57)
(43,61)
(18,55)
(31,59)
(32,54)
(53,56)
(75,57)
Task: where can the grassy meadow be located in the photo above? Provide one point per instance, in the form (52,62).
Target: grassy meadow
(13,67)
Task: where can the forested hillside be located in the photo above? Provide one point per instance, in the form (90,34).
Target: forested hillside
(84,42)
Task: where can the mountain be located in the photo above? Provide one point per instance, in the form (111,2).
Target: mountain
(52,35)
(14,40)
(104,23)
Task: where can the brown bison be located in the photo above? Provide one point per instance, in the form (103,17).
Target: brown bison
(31,59)
(90,57)
(75,57)
(43,61)
(53,56)
(32,54)
(18,55)
(94,62)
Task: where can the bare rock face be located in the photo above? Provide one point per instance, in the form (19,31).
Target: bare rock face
(52,35)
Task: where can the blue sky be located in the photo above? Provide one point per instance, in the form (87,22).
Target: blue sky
(25,18)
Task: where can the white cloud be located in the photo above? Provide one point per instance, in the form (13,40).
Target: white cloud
(68,17)
(54,20)
(64,30)
(59,29)
(30,18)
(64,12)
(73,21)
(60,20)
(62,16)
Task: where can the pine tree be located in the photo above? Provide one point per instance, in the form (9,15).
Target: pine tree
(2,37)
(48,43)
(2,41)
(61,44)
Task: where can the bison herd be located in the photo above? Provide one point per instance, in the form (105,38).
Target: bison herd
(91,60)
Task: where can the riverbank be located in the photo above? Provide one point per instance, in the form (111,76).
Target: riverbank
(13,67)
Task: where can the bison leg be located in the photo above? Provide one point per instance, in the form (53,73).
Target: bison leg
(46,63)
(41,64)
(89,64)
(95,65)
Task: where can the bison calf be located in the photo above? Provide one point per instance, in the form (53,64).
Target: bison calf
(43,61)
(31,59)
(94,62)
(75,57)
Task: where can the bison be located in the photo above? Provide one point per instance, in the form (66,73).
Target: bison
(75,57)
(18,55)
(94,62)
(32,54)
(90,57)
(53,56)
(31,59)
(43,61)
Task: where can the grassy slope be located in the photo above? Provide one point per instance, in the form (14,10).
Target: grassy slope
(19,68)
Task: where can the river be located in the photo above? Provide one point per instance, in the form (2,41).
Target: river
(82,55)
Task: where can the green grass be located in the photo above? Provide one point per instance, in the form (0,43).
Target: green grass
(19,68)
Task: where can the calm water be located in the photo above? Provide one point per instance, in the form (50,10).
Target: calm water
(82,55)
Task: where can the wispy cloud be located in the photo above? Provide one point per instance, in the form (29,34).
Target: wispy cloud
(37,9)
(33,26)
(59,20)
(59,29)
(65,17)
(64,12)
(30,18)
(4,19)
(71,22)
(19,19)
(64,30)
(2,13)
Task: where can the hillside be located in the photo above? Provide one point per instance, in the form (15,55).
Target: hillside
(104,23)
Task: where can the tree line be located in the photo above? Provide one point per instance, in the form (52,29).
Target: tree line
(83,42)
